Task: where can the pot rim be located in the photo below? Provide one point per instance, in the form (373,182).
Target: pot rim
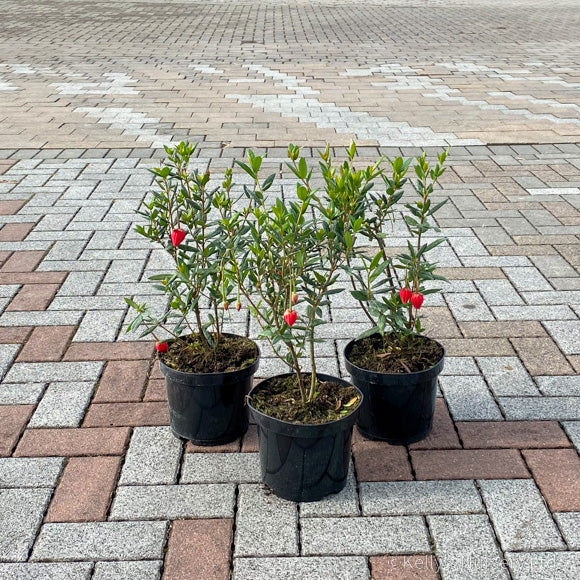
(253,366)
(305,425)
(350,365)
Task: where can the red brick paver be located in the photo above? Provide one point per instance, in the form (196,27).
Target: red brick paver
(46,343)
(85,490)
(22,261)
(14,334)
(33,297)
(415,567)
(156,390)
(15,232)
(83,351)
(122,381)
(199,550)
(133,414)
(442,435)
(13,419)
(11,206)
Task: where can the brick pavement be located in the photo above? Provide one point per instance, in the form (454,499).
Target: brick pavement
(92,484)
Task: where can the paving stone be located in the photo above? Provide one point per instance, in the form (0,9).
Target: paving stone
(72,442)
(40,318)
(266,525)
(144,570)
(468,306)
(469,464)
(544,565)
(21,512)
(343,503)
(7,354)
(559,386)
(415,567)
(54,372)
(464,347)
(527,279)
(33,472)
(419,498)
(512,434)
(442,434)
(98,351)
(133,414)
(506,376)
(550,362)
(364,535)
(85,490)
(498,292)
(469,399)
(540,408)
(566,334)
(47,571)
(21,393)
(573,431)
(13,420)
(153,458)
(531,526)
(122,381)
(46,343)
(203,546)
(303,568)
(172,502)
(543,313)
(458,365)
(466,547)
(63,405)
(557,473)
(99,325)
(100,541)
(221,468)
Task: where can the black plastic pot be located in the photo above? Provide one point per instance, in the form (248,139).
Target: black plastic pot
(397,408)
(209,408)
(304,462)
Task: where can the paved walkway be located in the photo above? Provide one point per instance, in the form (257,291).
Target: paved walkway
(92,485)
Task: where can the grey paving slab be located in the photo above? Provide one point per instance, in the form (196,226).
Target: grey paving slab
(541,408)
(62,405)
(507,376)
(7,354)
(530,526)
(469,399)
(364,535)
(468,307)
(101,541)
(21,513)
(573,430)
(460,365)
(544,565)
(569,524)
(527,279)
(55,371)
(221,468)
(21,393)
(153,457)
(557,312)
(46,571)
(304,568)
(466,548)
(419,498)
(171,502)
(145,570)
(265,524)
(554,386)
(30,471)
(344,503)
(498,292)
(100,325)
(566,334)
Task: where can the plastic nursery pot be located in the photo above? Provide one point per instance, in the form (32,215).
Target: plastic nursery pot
(209,408)
(304,462)
(397,408)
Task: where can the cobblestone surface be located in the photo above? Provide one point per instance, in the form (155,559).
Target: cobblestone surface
(92,483)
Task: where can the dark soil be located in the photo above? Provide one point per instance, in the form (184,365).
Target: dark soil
(391,355)
(188,354)
(280,398)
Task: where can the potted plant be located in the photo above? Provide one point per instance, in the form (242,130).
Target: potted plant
(294,252)
(393,364)
(208,371)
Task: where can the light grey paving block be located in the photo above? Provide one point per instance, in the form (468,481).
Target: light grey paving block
(265,525)
(507,377)
(569,523)
(469,399)
(466,548)
(468,306)
(557,312)
(573,430)
(21,393)
(123,271)
(7,354)
(566,334)
(419,498)
(40,318)
(47,571)
(567,385)
(64,250)
(467,246)
(344,503)
(460,365)
(313,568)
(21,513)
(86,303)
(103,240)
(541,408)
(553,266)
(55,371)
(30,471)
(527,279)
(153,457)
(99,326)
(101,541)
(215,500)
(221,468)
(571,297)
(63,405)
(145,570)
(364,535)
(544,565)
(498,292)
(80,283)
(529,526)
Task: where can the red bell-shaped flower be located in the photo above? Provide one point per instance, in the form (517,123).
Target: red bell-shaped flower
(417,300)
(290,316)
(161,346)
(405,294)
(177,236)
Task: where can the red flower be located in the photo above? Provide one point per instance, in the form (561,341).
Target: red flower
(177,236)
(294,298)
(290,316)
(161,346)
(405,294)
(417,300)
